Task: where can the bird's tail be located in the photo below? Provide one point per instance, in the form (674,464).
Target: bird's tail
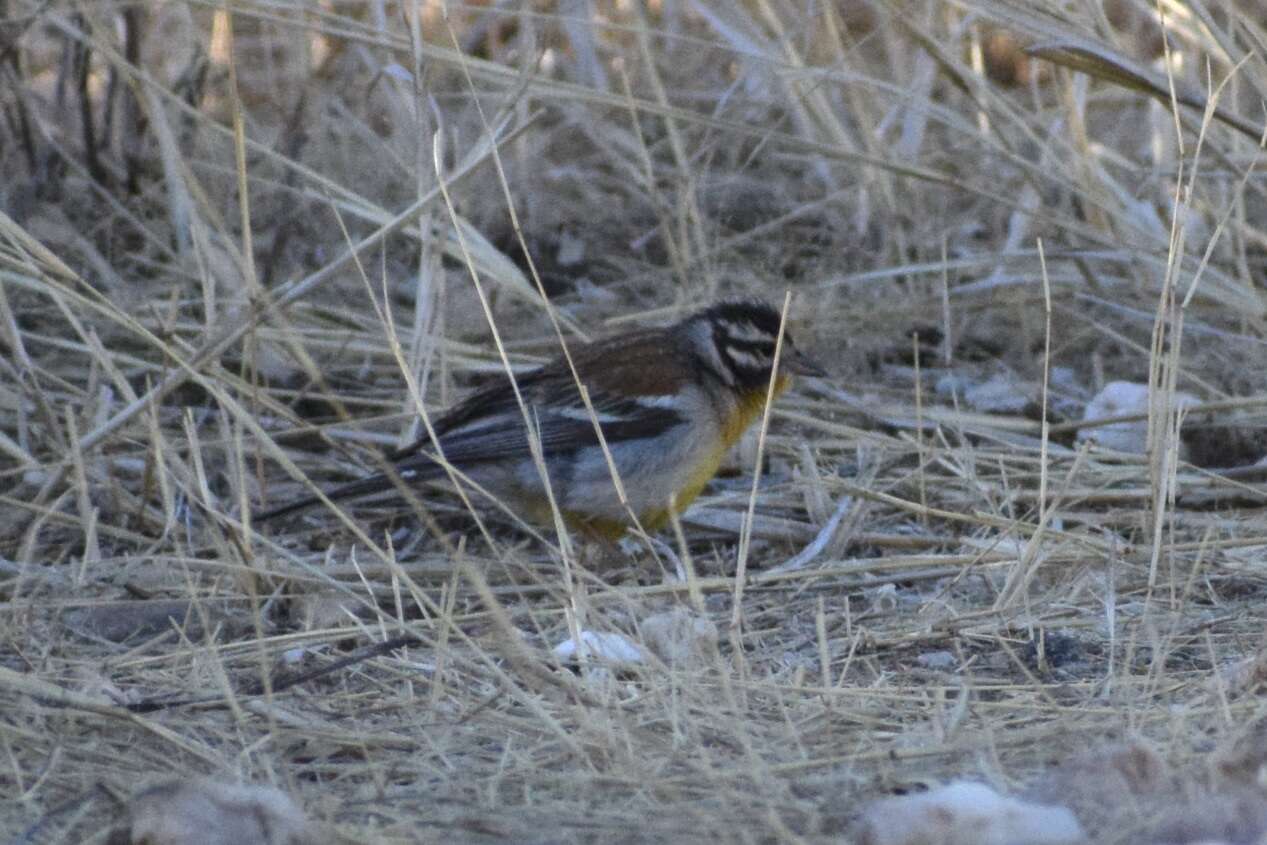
(419,468)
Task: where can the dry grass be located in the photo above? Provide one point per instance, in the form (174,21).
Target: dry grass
(276,242)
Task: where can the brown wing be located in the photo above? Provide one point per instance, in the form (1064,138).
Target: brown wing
(489,424)
(646,363)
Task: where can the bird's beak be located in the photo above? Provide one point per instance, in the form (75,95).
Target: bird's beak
(797,362)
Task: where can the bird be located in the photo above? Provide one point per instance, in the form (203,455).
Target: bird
(670,402)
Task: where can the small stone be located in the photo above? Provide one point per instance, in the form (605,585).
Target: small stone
(680,637)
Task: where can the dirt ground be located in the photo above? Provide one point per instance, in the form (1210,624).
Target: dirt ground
(1015,538)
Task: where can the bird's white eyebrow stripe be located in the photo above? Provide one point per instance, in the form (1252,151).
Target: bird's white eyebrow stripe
(744,332)
(743,359)
(702,336)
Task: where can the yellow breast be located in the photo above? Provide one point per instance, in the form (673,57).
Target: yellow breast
(743,415)
(740,417)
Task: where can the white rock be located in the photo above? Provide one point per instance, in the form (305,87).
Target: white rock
(1065,378)
(951,385)
(883,598)
(679,637)
(571,250)
(608,647)
(937,660)
(1121,398)
(1000,395)
(207,812)
(964,813)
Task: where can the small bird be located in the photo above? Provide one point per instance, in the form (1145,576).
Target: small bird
(670,402)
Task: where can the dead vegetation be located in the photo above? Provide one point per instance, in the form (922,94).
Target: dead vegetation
(238,252)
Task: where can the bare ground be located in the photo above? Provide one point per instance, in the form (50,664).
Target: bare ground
(225,240)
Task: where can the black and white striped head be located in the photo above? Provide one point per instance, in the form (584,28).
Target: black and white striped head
(736,340)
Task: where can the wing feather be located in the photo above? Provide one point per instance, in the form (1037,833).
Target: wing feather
(634,383)
(631,383)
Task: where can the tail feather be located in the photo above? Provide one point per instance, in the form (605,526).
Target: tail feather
(415,470)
